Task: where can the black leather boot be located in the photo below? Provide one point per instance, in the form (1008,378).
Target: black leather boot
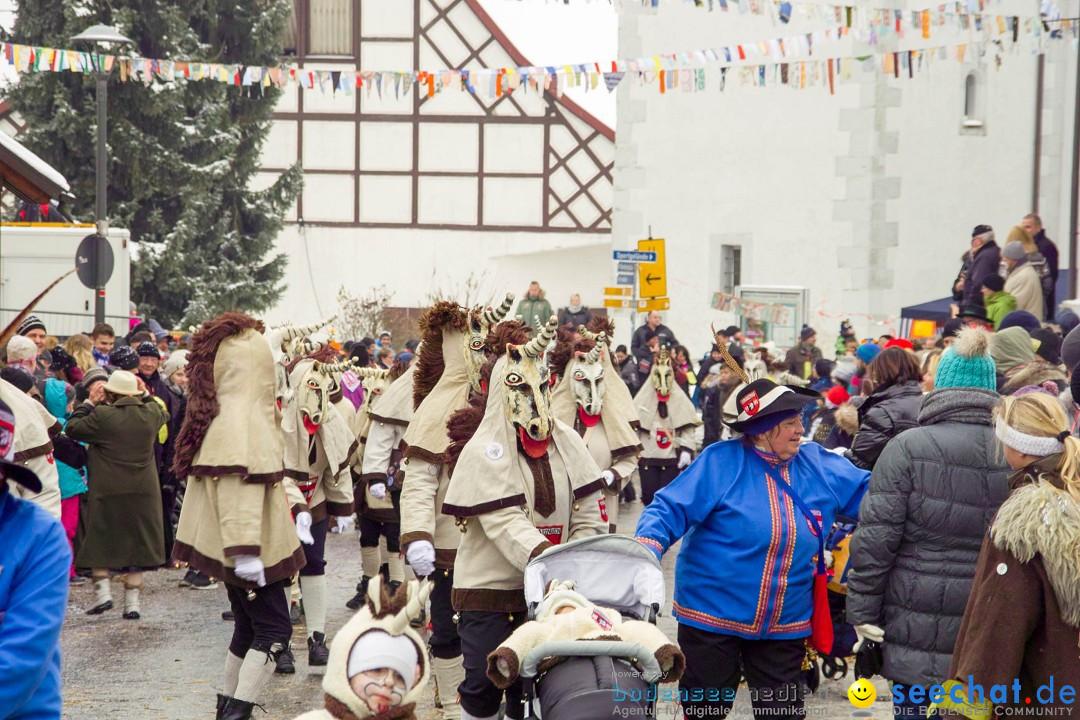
(285,662)
(237,709)
(221,701)
(318,653)
(360,597)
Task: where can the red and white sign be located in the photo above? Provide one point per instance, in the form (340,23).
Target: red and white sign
(663,440)
(603,509)
(751,404)
(551,533)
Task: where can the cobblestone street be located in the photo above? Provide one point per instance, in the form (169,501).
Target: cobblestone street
(168,665)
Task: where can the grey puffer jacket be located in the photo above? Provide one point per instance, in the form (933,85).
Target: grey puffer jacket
(932,496)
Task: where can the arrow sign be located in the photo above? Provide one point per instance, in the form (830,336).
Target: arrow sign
(652,275)
(634,256)
(650,279)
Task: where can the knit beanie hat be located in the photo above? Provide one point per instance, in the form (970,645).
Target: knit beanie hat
(994,283)
(846,330)
(124,358)
(32,322)
(1067,320)
(807,332)
(1014,251)
(148,349)
(967,362)
(1020,318)
(21,348)
(867,352)
(61,360)
(952,327)
(824,368)
(837,396)
(1049,348)
(845,370)
(19,377)
(900,343)
(176,361)
(376,650)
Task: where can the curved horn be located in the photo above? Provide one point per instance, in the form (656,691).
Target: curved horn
(338,367)
(536,347)
(368,372)
(374,593)
(418,593)
(496,316)
(664,356)
(728,360)
(594,354)
(587,333)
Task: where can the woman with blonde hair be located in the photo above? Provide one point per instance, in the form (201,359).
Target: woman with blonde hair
(81,348)
(1023,615)
(1034,257)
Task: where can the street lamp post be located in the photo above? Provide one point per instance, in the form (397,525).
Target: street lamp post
(101,37)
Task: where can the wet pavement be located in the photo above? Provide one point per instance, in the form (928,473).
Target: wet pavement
(167,666)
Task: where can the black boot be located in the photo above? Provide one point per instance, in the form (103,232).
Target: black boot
(237,709)
(222,700)
(285,662)
(359,598)
(393,586)
(317,652)
(384,570)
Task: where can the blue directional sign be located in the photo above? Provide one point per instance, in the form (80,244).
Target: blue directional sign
(634,256)
(624,279)
(627,267)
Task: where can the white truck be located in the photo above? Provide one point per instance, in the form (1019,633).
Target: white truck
(32,255)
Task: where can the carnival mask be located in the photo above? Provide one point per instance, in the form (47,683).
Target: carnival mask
(662,375)
(480,323)
(313,395)
(528,390)
(587,377)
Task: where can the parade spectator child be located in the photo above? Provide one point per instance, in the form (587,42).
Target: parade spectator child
(997,302)
(60,401)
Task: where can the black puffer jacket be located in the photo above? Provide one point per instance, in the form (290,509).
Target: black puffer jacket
(932,496)
(882,417)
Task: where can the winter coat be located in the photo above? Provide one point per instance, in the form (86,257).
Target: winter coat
(1037,372)
(1023,284)
(72,482)
(713,396)
(531,310)
(571,319)
(845,425)
(1050,252)
(123,526)
(745,566)
(663,334)
(1023,615)
(932,495)
(985,263)
(35,558)
(800,360)
(882,417)
(998,305)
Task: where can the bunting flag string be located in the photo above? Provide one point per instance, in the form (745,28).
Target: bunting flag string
(776,314)
(792,61)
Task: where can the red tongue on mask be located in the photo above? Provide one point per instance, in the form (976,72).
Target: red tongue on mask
(533,448)
(586,419)
(311,427)
(662,398)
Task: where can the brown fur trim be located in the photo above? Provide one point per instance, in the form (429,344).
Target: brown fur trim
(341,711)
(485,507)
(672,662)
(620,453)
(497,678)
(508,331)
(488,600)
(396,370)
(562,353)
(444,559)
(415,451)
(31,453)
(594,486)
(389,421)
(430,365)
(182,552)
(461,427)
(847,418)
(249,479)
(202,404)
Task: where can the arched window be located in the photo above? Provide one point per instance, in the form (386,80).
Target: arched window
(970,89)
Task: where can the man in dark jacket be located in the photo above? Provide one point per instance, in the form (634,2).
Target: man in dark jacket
(1033,224)
(663,332)
(985,259)
(636,372)
(574,314)
(933,493)
(800,360)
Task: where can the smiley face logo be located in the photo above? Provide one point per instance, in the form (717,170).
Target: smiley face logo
(862,693)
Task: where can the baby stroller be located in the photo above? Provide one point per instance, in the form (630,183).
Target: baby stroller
(596,678)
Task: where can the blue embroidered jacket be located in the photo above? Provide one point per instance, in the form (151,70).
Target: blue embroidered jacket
(746,564)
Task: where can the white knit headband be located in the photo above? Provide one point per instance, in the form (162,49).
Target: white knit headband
(1037,445)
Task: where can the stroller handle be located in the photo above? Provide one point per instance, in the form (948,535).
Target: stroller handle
(635,652)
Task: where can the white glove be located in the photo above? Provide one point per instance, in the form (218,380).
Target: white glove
(303,528)
(609,477)
(421,555)
(868,632)
(250,568)
(378,491)
(828,559)
(344,524)
(684,459)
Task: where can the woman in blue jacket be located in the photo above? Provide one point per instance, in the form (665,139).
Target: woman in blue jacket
(744,574)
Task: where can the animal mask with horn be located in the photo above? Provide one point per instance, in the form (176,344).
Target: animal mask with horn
(528,401)
(481,320)
(316,386)
(375,381)
(662,375)
(586,372)
(286,347)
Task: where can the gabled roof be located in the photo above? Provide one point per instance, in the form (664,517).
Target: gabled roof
(27,175)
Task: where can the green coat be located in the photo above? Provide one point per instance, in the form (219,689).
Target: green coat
(122,521)
(530,309)
(998,305)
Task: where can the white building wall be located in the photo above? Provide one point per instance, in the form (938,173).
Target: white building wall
(866,197)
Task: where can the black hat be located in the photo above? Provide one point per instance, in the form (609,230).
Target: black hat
(951,327)
(61,360)
(124,358)
(19,377)
(32,322)
(148,349)
(763,405)
(975,311)
(994,282)
(10,470)
(981,230)
(1049,345)
(732,331)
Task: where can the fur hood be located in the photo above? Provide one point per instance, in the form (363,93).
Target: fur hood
(441,317)
(1038,518)
(847,418)
(1035,373)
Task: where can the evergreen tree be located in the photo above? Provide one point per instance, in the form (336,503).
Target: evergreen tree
(181,154)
